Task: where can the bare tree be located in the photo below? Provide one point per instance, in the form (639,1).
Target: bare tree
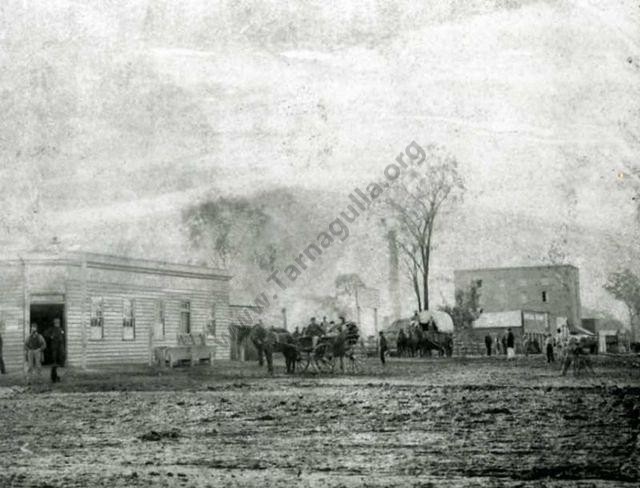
(625,286)
(413,207)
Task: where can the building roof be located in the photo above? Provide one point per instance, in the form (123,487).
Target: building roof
(117,263)
(516,268)
(576,329)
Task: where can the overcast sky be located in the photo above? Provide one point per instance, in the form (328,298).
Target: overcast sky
(122,108)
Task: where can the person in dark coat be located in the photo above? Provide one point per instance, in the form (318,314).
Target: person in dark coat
(56,338)
(548,345)
(504,344)
(511,345)
(487,342)
(2,370)
(383,347)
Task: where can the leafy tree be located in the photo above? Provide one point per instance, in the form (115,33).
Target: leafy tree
(348,283)
(229,228)
(413,207)
(625,286)
(466,309)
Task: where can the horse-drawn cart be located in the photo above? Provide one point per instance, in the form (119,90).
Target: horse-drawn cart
(317,350)
(321,352)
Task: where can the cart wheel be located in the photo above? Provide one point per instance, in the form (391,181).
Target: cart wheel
(305,361)
(322,360)
(323,365)
(356,355)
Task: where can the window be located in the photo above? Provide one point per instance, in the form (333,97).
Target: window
(478,283)
(185,317)
(159,322)
(211,323)
(128,320)
(544,296)
(96,322)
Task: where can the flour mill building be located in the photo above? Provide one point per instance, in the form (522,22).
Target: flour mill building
(531,300)
(112,309)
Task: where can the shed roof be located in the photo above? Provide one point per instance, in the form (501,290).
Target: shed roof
(515,268)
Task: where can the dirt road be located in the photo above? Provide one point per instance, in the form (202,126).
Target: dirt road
(416,423)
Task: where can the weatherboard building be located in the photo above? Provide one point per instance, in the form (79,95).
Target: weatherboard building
(112,309)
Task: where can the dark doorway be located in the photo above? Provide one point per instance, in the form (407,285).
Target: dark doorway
(43,315)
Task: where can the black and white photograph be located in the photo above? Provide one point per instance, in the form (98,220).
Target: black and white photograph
(319,243)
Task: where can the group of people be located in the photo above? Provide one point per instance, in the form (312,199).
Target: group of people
(430,324)
(35,346)
(326,328)
(571,351)
(341,335)
(506,344)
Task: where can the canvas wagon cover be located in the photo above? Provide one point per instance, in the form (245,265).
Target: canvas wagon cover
(443,320)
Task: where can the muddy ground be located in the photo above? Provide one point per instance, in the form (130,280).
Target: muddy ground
(436,422)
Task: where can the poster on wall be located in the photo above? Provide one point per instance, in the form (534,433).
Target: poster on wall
(488,320)
(535,322)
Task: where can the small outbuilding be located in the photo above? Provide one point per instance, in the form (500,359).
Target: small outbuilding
(112,309)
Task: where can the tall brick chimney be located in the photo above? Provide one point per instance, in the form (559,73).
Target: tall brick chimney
(394,276)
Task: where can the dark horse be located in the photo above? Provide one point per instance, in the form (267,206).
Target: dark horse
(401,343)
(270,340)
(341,345)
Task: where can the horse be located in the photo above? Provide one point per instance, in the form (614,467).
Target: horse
(401,343)
(268,341)
(432,340)
(412,343)
(339,346)
(421,345)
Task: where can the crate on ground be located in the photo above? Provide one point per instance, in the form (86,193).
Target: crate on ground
(190,347)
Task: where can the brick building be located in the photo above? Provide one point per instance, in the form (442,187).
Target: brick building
(531,300)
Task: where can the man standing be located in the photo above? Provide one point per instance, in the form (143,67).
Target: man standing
(314,330)
(504,344)
(324,324)
(34,346)
(487,342)
(415,320)
(2,370)
(571,350)
(548,346)
(511,343)
(383,347)
(56,336)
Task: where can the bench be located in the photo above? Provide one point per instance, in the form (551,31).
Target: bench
(191,347)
